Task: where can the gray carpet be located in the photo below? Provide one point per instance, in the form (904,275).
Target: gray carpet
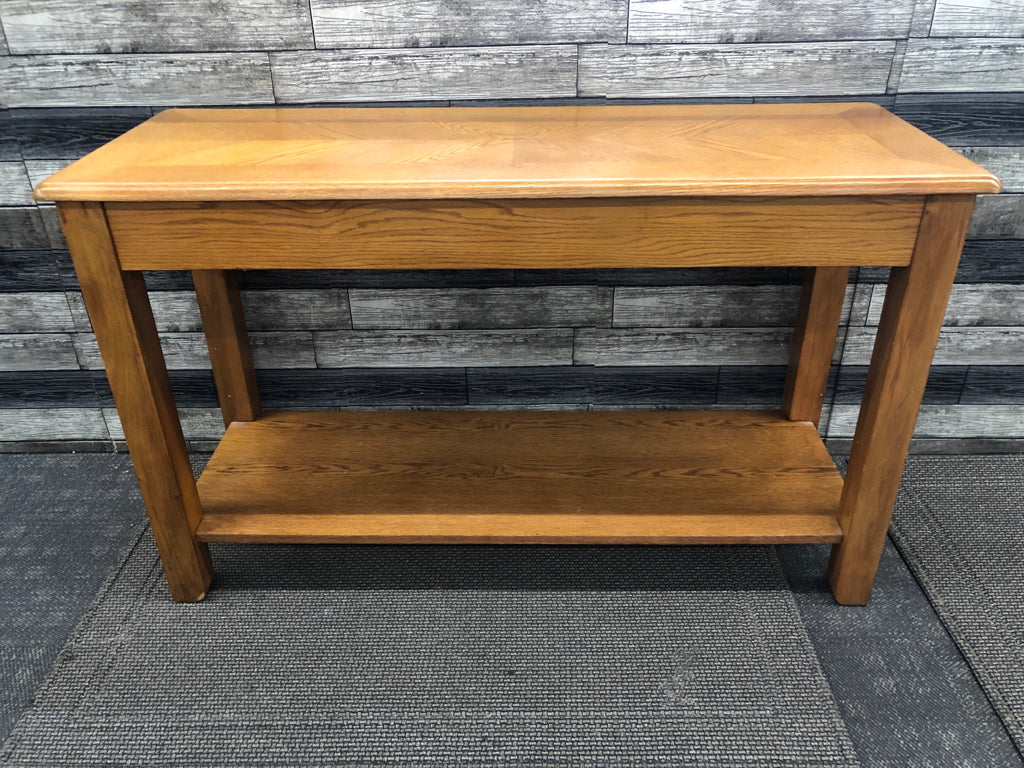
(443,655)
(959,523)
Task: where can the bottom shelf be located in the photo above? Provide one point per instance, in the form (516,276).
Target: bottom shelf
(666,477)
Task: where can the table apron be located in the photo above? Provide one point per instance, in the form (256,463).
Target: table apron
(520,233)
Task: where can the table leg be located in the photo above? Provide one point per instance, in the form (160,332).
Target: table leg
(908,331)
(118,306)
(814,339)
(220,305)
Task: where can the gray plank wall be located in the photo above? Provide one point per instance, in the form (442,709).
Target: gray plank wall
(74,74)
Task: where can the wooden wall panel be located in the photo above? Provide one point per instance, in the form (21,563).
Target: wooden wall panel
(998,217)
(20,424)
(971,305)
(125,79)
(968,65)
(795,69)
(761,21)
(429,23)
(671,346)
(37,352)
(978,18)
(425,74)
(161,26)
(14,185)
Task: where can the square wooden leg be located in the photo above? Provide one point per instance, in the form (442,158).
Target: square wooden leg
(915,303)
(119,309)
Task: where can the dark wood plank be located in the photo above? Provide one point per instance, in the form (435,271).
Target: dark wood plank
(161,26)
(903,352)
(761,21)
(983,261)
(22,229)
(994,384)
(362,387)
(651,477)
(679,386)
(48,389)
(466,308)
(228,343)
(121,316)
(29,271)
(779,69)
(943,387)
(70,133)
(965,120)
(814,339)
(428,23)
(666,276)
(305,77)
(264,279)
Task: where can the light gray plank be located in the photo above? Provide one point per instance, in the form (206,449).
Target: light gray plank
(861,304)
(978,18)
(161,26)
(390,349)
(4,49)
(998,217)
(425,74)
(34,313)
(671,346)
(187,351)
(113,80)
(934,66)
(1005,162)
(21,229)
(40,170)
(972,305)
(957,346)
(892,85)
(921,22)
(945,421)
(795,69)
(463,308)
(196,423)
(761,21)
(14,185)
(428,23)
(696,306)
(37,352)
(52,424)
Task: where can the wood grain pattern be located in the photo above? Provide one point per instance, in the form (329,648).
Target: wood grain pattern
(674,346)
(761,21)
(998,216)
(34,313)
(21,424)
(963,65)
(69,132)
(428,23)
(353,349)
(701,306)
(424,74)
(977,18)
(946,421)
(14,184)
(22,229)
(903,351)
(162,26)
(467,308)
(997,384)
(956,346)
(520,478)
(966,120)
(814,341)
(514,152)
(1005,162)
(971,305)
(220,304)
(790,69)
(130,79)
(121,316)
(515,233)
(37,352)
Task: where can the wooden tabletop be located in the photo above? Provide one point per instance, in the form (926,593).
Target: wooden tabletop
(515,152)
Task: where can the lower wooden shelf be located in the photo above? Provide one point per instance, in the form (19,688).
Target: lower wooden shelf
(666,477)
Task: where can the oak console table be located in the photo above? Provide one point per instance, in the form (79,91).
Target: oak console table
(821,186)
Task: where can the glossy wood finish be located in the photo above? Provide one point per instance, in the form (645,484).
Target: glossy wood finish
(915,303)
(121,317)
(644,232)
(773,150)
(220,305)
(533,477)
(814,339)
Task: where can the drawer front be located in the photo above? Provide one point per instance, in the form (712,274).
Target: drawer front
(526,234)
